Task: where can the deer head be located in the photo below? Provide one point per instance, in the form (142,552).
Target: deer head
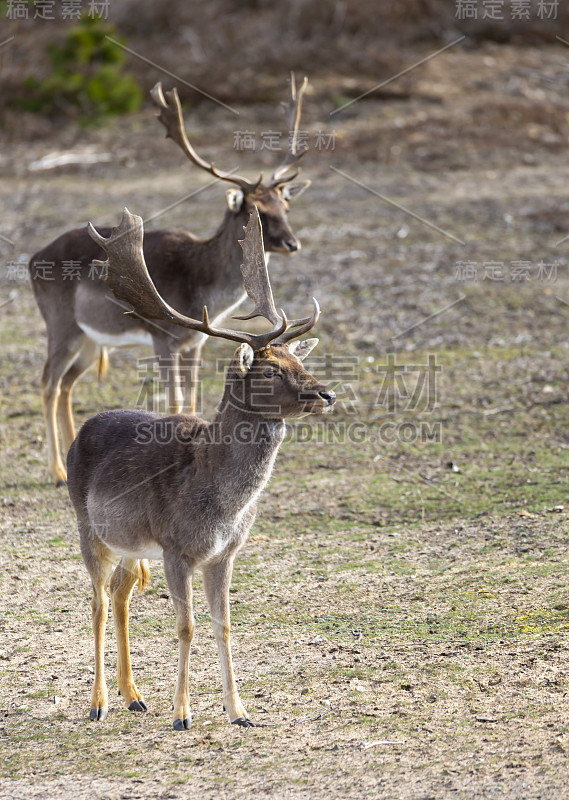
(272,383)
(272,199)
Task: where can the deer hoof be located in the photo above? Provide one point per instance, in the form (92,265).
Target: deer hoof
(138,705)
(243,722)
(59,484)
(183,724)
(98,714)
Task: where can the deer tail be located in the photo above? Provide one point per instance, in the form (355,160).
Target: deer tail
(103,363)
(143,575)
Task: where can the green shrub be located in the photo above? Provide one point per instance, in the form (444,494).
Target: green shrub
(87,78)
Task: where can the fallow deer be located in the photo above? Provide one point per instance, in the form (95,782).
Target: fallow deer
(178,488)
(83,318)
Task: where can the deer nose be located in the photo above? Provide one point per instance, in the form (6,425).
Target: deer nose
(330,397)
(292,245)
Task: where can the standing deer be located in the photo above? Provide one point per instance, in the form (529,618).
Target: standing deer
(83,318)
(179,488)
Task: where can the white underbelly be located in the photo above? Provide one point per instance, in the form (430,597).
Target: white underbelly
(151,550)
(126,339)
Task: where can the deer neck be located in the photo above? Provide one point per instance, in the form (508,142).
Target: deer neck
(245,451)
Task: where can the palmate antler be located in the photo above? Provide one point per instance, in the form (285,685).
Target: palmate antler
(128,277)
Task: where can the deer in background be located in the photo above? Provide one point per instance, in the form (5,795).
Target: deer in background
(178,488)
(83,318)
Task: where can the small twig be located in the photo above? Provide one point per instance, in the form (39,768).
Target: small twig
(367,745)
(480,685)
(428,482)
(502,410)
(12,296)
(554,401)
(319,717)
(295,721)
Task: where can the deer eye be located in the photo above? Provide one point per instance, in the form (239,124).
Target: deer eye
(270,373)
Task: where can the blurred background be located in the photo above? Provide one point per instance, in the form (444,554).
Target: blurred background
(61,66)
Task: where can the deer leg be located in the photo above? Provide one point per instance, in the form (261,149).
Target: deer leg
(99,565)
(179,576)
(58,363)
(217,578)
(84,360)
(169,372)
(189,364)
(123,582)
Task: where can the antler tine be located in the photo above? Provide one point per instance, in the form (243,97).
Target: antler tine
(293,112)
(301,326)
(128,278)
(171,117)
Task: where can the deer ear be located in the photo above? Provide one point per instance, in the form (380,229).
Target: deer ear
(243,359)
(292,190)
(303,348)
(234,199)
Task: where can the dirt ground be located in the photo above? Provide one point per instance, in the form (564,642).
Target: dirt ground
(400,613)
